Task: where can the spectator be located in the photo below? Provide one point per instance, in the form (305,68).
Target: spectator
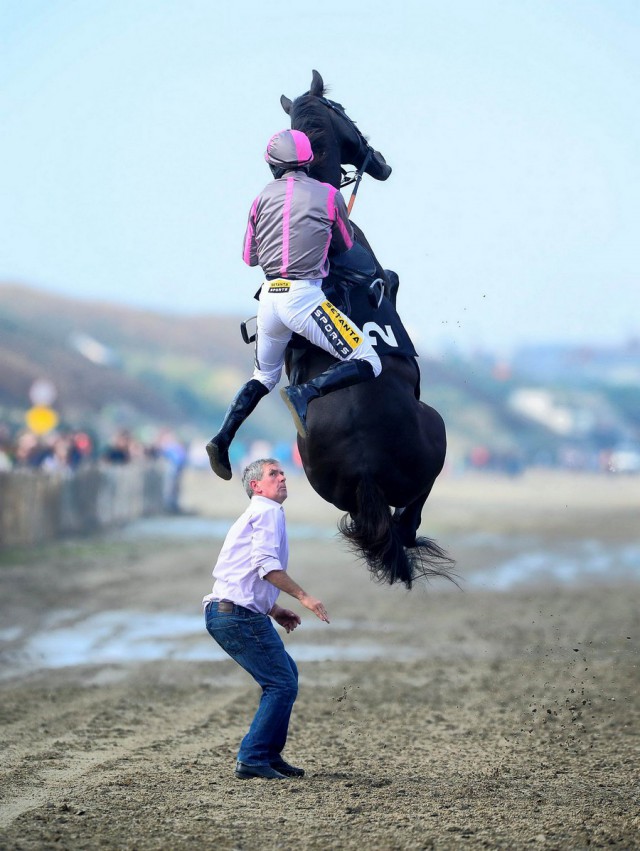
(6,455)
(119,450)
(174,454)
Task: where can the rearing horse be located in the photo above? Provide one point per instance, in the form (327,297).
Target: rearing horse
(372,446)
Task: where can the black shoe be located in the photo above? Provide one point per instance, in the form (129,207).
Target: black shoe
(244,403)
(246,772)
(286,769)
(296,397)
(219,460)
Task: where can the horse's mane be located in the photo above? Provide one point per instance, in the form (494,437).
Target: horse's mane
(310,115)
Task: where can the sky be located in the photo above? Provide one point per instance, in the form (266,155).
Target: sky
(132,135)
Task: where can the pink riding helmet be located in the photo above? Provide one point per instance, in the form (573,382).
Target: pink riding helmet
(289,149)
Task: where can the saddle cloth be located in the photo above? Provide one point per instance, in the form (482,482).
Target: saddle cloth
(382,326)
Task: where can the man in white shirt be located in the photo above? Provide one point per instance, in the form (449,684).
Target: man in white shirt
(250,573)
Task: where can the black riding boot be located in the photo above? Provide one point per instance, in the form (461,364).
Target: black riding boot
(244,403)
(343,374)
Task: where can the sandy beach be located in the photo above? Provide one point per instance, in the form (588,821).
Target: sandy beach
(501,714)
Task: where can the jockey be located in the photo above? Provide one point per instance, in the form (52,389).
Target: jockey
(293,224)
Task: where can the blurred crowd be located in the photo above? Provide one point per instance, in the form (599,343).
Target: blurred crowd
(57,450)
(621,459)
(65,451)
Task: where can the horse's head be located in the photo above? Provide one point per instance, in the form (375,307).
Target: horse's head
(335,138)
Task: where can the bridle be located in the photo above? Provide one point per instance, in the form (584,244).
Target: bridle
(353,177)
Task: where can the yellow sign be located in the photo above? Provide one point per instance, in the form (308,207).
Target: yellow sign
(41,419)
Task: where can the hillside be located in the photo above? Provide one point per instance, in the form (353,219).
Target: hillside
(105,358)
(115,365)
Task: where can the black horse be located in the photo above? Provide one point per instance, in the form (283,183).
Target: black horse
(375,445)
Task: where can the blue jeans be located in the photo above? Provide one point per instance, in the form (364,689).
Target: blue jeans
(253,642)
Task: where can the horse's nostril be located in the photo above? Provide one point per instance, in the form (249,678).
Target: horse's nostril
(379,169)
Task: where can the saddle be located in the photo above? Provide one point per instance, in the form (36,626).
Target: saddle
(354,268)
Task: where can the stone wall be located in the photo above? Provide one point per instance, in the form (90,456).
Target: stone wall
(37,506)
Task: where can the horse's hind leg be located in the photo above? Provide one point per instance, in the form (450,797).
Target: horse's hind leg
(408,519)
(426,557)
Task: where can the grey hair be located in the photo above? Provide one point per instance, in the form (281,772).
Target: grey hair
(254,472)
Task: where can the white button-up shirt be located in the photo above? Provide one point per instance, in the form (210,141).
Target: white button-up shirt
(255,545)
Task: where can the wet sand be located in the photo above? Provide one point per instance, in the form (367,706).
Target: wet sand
(503,715)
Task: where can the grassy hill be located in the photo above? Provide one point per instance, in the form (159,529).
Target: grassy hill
(113,364)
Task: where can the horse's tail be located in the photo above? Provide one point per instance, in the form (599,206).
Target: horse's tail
(373,534)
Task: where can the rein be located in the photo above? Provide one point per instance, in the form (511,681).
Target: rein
(357,180)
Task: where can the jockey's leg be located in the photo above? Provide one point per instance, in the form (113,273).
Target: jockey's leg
(271,341)
(331,330)
(338,376)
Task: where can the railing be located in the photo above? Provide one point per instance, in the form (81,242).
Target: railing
(37,506)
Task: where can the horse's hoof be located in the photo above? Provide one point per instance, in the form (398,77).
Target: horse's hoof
(219,461)
(298,420)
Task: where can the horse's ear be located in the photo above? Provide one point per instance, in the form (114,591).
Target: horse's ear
(286,104)
(317,85)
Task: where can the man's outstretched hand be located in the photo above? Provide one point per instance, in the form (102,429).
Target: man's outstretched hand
(284,582)
(315,606)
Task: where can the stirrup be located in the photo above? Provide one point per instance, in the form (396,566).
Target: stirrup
(247,335)
(375,293)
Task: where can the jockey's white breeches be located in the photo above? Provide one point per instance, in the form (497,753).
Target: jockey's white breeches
(286,307)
